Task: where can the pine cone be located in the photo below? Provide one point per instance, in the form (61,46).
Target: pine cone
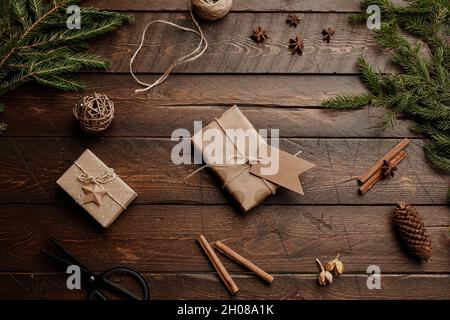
(411,230)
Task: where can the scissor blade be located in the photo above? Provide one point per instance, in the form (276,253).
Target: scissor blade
(67,254)
(61,261)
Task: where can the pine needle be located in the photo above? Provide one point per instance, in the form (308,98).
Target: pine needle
(369,77)
(36,45)
(422,91)
(348,101)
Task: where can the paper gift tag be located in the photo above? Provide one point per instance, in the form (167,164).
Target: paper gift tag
(286,174)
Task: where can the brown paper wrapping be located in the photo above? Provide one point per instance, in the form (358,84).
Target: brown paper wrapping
(247,189)
(118,192)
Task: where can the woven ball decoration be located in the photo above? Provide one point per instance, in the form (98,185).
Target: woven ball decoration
(211,10)
(95,113)
(411,230)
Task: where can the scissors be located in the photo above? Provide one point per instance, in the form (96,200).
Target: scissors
(95,281)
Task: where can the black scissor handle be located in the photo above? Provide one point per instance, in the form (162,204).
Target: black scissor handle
(97,295)
(103,279)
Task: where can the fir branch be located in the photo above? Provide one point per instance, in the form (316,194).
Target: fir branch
(389,120)
(36,44)
(27,32)
(438,160)
(66,36)
(19,9)
(37,7)
(60,83)
(56,66)
(369,77)
(348,101)
(422,91)
(87,60)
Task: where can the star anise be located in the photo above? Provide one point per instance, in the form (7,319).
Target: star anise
(259,35)
(296,45)
(328,33)
(388,170)
(293,20)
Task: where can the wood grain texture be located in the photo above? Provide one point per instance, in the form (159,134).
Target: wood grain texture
(156,234)
(30,167)
(137,121)
(145,164)
(238,5)
(199,89)
(232,51)
(163,238)
(208,287)
(270,102)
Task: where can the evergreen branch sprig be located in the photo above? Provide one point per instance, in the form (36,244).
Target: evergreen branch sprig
(37,46)
(422,90)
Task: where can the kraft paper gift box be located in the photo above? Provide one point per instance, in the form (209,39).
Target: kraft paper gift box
(244,181)
(97,188)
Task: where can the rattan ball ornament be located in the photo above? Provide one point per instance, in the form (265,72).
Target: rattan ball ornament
(211,10)
(95,113)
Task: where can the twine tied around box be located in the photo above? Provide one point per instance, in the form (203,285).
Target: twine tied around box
(247,160)
(108,176)
(95,112)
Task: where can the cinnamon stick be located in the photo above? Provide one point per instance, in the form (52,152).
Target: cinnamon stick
(379,174)
(218,266)
(388,157)
(243,261)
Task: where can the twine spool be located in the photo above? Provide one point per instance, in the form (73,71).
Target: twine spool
(95,113)
(211,10)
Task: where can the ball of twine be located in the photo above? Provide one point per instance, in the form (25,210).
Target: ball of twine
(95,113)
(211,10)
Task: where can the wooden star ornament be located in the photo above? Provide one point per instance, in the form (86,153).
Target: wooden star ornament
(93,194)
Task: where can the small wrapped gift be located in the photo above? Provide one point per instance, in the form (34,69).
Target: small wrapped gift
(245,179)
(96,187)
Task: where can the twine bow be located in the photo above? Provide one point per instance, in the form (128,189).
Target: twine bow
(106,177)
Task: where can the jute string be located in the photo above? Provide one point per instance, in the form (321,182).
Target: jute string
(194,55)
(108,176)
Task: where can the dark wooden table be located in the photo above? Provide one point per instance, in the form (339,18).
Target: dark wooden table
(275,89)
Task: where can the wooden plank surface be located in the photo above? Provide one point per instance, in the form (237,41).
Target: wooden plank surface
(294,100)
(30,167)
(232,51)
(275,89)
(198,89)
(132,120)
(238,5)
(161,239)
(208,287)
